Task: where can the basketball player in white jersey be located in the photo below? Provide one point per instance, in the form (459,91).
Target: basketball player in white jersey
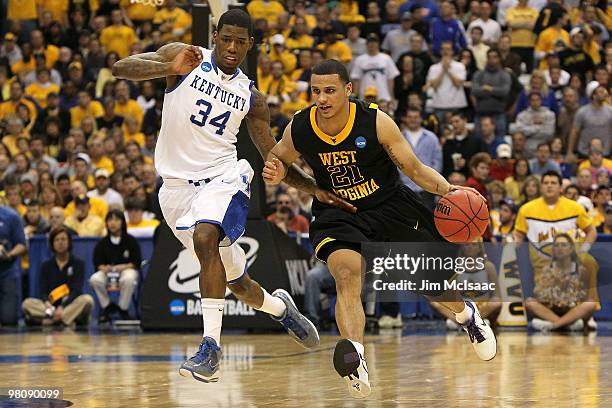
(205,195)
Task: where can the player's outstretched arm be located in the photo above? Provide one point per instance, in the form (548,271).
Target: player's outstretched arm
(400,151)
(172,59)
(279,159)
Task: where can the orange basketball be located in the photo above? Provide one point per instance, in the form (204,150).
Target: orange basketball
(461,216)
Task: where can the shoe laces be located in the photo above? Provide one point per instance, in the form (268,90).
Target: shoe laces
(474,331)
(204,351)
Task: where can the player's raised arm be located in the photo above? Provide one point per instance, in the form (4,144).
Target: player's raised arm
(400,151)
(279,160)
(172,59)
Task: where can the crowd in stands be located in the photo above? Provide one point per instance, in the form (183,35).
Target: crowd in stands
(493,94)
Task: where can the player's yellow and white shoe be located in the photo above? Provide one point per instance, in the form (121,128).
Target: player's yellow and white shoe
(351,365)
(481,335)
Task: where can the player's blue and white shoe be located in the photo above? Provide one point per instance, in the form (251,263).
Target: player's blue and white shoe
(297,325)
(204,365)
(351,365)
(481,335)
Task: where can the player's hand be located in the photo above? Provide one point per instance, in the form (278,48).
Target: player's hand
(274,171)
(453,188)
(187,60)
(328,198)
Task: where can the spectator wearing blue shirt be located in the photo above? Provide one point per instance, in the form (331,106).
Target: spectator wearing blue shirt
(432,10)
(542,162)
(12,245)
(447,28)
(426,147)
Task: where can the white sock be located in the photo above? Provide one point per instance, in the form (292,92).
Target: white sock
(359,347)
(212,315)
(465,314)
(272,305)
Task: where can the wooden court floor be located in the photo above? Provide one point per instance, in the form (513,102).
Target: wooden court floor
(141,370)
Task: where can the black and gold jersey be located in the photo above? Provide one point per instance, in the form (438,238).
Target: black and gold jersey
(352,164)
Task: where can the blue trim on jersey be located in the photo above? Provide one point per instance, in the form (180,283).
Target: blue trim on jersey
(235,74)
(234,221)
(202,221)
(180,81)
(251,98)
(212,61)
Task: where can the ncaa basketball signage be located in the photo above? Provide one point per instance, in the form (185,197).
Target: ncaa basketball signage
(513,309)
(170,294)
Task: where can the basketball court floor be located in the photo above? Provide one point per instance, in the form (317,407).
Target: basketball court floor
(428,368)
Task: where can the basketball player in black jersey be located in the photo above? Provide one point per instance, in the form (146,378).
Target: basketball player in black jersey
(355,150)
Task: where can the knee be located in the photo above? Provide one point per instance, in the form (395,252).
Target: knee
(345,278)
(206,238)
(128,277)
(28,303)
(530,303)
(98,279)
(87,300)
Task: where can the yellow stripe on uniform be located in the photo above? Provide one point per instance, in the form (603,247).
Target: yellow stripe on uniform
(340,137)
(373,106)
(325,241)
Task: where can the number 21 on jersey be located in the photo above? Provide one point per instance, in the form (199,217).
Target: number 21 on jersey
(202,117)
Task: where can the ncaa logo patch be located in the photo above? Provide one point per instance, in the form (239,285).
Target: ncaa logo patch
(360,142)
(177,307)
(206,67)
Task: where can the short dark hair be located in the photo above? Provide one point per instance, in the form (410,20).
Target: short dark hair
(460,114)
(543,144)
(135,203)
(477,28)
(331,67)
(238,18)
(553,173)
(55,232)
(493,50)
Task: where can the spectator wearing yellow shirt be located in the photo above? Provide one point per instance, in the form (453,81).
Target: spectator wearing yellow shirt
(27,63)
(15,99)
(279,85)
(50,51)
(138,12)
(174,23)
(13,197)
(96,152)
(132,133)
(601,199)
(264,75)
(85,108)
(280,53)
(294,103)
(40,89)
(521,20)
(124,105)
(98,206)
(15,131)
(26,11)
(299,11)
(335,49)
(58,10)
(83,221)
(118,37)
(550,39)
(137,225)
(300,36)
(349,12)
(268,9)
(81,169)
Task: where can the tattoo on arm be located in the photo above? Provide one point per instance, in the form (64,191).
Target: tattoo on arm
(393,157)
(148,65)
(258,124)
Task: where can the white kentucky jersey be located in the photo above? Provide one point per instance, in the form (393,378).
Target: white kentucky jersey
(200,121)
